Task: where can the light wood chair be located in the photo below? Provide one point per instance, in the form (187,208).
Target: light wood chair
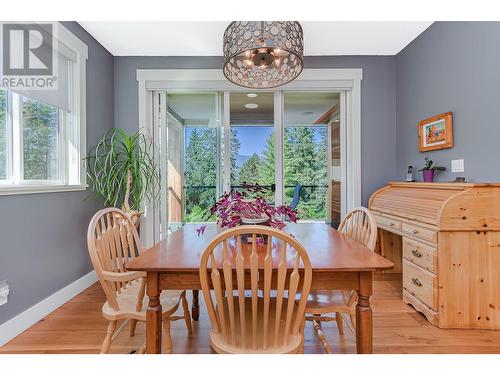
(359,225)
(237,279)
(113,241)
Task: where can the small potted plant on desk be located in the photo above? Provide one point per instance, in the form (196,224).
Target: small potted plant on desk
(122,171)
(429,169)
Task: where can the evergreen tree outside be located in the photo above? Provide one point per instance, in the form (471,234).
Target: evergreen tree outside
(200,172)
(305,163)
(249,171)
(322,171)
(235,148)
(266,169)
(40,140)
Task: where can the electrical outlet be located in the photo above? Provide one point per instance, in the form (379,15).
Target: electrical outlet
(457,165)
(4,292)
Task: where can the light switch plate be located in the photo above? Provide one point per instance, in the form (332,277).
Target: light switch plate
(4,292)
(457,165)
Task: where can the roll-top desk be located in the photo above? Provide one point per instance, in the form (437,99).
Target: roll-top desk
(445,239)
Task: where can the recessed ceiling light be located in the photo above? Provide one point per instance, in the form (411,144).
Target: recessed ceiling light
(251,105)
(307,113)
(252,95)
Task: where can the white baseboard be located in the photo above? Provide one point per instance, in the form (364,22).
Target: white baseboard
(27,318)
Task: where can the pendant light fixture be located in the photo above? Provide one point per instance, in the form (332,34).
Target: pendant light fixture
(263,54)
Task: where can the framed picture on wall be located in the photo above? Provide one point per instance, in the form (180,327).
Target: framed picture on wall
(435,132)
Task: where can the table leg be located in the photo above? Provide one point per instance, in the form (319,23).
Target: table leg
(195,309)
(364,320)
(153,314)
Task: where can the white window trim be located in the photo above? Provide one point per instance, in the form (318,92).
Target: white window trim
(76,178)
(150,80)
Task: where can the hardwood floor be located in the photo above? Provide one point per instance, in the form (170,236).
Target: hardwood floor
(78,327)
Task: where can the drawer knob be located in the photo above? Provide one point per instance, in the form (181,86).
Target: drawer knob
(416,281)
(392,224)
(417,253)
(415,231)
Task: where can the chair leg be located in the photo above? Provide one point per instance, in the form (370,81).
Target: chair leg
(133,324)
(167,337)
(301,330)
(322,337)
(187,315)
(340,323)
(142,349)
(107,340)
(352,317)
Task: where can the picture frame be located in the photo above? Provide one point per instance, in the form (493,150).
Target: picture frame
(436,132)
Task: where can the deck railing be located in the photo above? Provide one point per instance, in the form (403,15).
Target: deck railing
(308,193)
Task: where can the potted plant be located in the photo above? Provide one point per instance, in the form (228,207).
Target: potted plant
(122,171)
(429,169)
(249,207)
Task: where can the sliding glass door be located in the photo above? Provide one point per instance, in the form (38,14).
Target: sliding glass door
(251,120)
(286,141)
(192,156)
(309,119)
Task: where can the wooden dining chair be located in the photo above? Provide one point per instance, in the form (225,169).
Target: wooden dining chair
(359,225)
(237,279)
(113,241)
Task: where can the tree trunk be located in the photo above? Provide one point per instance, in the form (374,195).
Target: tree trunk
(126,205)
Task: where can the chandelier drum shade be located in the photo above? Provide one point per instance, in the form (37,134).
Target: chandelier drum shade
(263,54)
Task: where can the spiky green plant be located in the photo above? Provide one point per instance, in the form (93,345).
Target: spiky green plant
(121,169)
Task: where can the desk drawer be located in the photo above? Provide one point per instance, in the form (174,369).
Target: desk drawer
(423,255)
(420,232)
(388,222)
(420,283)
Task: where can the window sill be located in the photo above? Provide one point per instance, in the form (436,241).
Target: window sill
(34,189)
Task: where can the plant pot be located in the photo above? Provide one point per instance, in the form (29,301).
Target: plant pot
(428,175)
(260,221)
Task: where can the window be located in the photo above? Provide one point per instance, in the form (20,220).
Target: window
(42,132)
(31,141)
(41,139)
(193,121)
(288,142)
(310,119)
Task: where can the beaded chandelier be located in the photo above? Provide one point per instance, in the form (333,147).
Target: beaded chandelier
(263,54)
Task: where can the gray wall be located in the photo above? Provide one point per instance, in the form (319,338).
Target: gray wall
(43,236)
(452,66)
(378,101)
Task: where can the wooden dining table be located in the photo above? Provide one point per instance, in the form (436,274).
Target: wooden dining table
(338,263)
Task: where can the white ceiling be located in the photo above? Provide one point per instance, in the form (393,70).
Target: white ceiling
(205,38)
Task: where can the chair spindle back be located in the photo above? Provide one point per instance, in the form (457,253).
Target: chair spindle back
(242,278)
(360,225)
(112,241)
